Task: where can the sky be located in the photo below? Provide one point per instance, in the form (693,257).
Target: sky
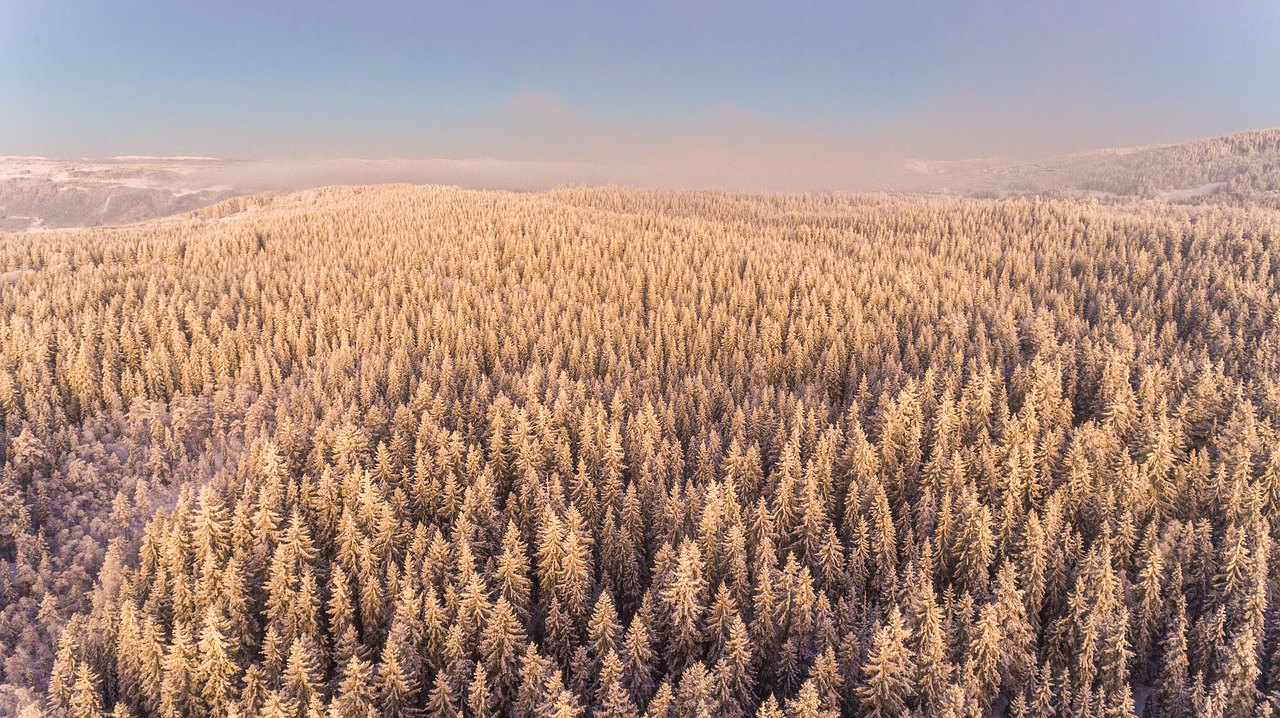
(765,86)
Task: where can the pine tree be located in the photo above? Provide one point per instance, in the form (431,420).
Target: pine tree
(63,678)
(178,689)
(604,634)
(356,693)
(559,702)
(884,544)
(769,708)
(827,678)
(558,633)
(513,573)
(1150,601)
(434,629)
(85,701)
(719,619)
(661,705)
(440,701)
(614,699)
(986,655)
(253,696)
(479,701)
(735,681)
(303,678)
(765,602)
(1240,673)
(472,611)
(1174,694)
(532,695)
(684,599)
(500,647)
(215,673)
(1017,634)
(576,567)
(928,643)
(638,660)
(396,689)
(695,694)
(889,670)
(974,543)
(808,704)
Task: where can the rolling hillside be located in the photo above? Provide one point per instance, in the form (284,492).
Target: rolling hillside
(417,451)
(1241,168)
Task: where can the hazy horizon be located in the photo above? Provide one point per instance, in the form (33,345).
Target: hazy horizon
(812,91)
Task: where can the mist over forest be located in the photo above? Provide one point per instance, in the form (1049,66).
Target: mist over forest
(39,193)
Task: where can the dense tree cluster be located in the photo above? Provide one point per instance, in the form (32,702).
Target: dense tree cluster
(414,452)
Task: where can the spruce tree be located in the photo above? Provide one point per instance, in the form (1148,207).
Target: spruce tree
(889,670)
(357,696)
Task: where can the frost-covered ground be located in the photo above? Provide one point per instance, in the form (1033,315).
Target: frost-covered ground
(39,193)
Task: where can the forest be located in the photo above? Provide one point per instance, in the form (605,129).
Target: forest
(420,452)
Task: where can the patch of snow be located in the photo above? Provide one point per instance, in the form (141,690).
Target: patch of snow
(177,158)
(1203,190)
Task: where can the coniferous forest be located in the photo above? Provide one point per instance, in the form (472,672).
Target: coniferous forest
(420,452)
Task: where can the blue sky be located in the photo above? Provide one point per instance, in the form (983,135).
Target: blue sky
(623,81)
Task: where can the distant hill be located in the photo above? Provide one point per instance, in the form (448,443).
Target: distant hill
(1239,168)
(38,193)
